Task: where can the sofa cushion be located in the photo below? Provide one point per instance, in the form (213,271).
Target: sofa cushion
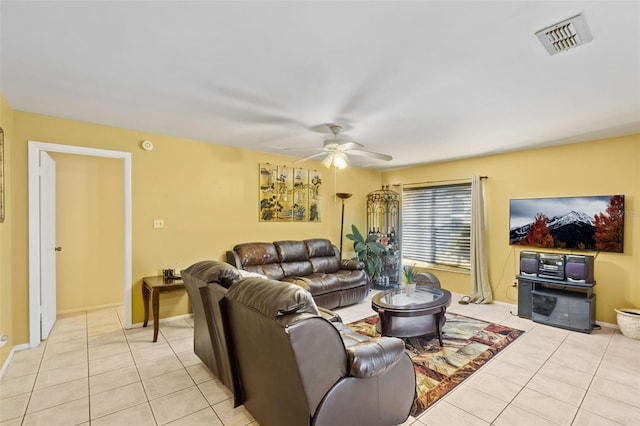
(319,247)
(291,251)
(350,278)
(273,298)
(327,265)
(297,268)
(272,271)
(209,271)
(260,258)
(256,254)
(317,283)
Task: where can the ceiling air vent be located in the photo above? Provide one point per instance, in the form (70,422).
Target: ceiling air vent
(564,35)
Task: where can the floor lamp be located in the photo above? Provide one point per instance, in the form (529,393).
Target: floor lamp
(343,196)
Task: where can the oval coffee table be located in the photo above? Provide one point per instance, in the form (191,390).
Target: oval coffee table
(416,314)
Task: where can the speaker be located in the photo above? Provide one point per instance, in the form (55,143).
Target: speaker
(579,268)
(528,263)
(524,297)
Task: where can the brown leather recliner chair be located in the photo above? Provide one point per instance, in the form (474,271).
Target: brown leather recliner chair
(209,339)
(296,368)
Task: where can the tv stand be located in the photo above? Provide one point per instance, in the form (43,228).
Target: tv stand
(560,303)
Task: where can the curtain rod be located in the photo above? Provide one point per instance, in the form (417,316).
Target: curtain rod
(442,181)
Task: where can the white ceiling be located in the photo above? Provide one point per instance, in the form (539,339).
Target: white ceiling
(424,81)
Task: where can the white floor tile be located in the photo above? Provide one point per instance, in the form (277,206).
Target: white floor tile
(445,414)
(91,367)
(177,405)
(611,409)
(545,406)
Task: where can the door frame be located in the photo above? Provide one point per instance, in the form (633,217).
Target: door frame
(34,149)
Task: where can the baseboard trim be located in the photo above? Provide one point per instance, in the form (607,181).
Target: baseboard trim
(89,308)
(162,320)
(608,325)
(5,365)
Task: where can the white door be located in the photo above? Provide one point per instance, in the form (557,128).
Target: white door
(47,243)
(36,286)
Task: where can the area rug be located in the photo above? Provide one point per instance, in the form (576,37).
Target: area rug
(467,344)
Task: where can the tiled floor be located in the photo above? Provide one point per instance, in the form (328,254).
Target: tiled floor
(91,371)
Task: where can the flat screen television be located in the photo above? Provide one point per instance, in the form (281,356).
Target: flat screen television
(578,223)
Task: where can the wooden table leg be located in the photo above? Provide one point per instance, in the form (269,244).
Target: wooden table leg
(384,322)
(439,325)
(145,301)
(155,302)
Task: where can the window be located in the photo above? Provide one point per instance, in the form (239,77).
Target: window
(436,225)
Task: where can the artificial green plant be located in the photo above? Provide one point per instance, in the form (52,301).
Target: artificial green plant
(368,250)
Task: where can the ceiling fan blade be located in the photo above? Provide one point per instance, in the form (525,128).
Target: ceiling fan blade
(310,157)
(349,146)
(361,153)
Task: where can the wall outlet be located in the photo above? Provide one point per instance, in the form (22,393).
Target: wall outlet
(158,223)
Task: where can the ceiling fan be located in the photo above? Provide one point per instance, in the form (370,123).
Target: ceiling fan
(337,148)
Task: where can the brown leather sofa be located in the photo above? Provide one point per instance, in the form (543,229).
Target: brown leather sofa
(313,264)
(296,368)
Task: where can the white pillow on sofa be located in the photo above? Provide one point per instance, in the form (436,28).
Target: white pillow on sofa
(247,274)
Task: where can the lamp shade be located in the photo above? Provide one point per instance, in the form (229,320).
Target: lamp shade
(335,158)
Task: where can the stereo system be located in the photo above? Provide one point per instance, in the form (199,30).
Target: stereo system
(551,266)
(570,267)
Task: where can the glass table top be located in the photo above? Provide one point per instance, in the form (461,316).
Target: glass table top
(421,297)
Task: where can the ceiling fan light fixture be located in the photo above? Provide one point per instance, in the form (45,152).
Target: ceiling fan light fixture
(340,160)
(336,159)
(328,160)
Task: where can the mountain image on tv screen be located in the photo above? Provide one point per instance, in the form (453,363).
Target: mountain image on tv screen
(582,223)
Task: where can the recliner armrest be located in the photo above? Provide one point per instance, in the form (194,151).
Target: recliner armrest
(375,356)
(369,356)
(351,264)
(329,315)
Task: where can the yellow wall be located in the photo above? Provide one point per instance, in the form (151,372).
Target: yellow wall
(609,166)
(206,193)
(90,232)
(6,234)
(208,196)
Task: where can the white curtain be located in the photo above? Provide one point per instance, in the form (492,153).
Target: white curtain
(481,289)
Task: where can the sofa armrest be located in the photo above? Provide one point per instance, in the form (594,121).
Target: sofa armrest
(351,264)
(233,259)
(374,357)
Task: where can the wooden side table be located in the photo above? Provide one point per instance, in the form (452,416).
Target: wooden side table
(154,286)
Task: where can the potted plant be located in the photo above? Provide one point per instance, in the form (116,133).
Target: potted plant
(409,272)
(368,251)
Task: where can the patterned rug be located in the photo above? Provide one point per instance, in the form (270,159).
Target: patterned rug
(468,344)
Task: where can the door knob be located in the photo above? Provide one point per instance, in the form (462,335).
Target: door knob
(58,249)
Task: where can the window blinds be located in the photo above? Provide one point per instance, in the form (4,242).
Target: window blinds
(436,224)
